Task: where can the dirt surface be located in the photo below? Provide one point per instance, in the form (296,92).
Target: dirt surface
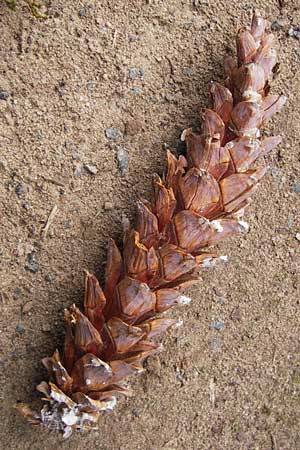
(98,81)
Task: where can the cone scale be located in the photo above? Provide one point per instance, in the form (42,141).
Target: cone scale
(198,203)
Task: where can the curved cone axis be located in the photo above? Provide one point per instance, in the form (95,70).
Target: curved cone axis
(199,202)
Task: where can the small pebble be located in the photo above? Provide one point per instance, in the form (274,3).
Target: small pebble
(123,159)
(217,325)
(133,37)
(108,206)
(276,174)
(20,329)
(76,156)
(188,25)
(136,412)
(90,85)
(180,375)
(136,90)
(296,187)
(4,94)
(298,237)
(82,12)
(78,171)
(104,29)
(294,32)
(32,230)
(220,300)
(48,278)
(277,25)
(61,88)
(68,224)
(218,292)
(27,307)
(17,292)
(31,263)
(134,73)
(3,166)
(111,133)
(20,189)
(188,71)
(90,168)
(216,344)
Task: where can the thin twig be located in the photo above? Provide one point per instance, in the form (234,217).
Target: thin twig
(212,391)
(115,38)
(274,358)
(49,221)
(273,441)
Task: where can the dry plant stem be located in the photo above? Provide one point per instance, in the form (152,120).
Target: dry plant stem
(197,204)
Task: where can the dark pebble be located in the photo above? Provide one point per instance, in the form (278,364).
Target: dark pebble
(4,94)
(20,329)
(82,12)
(67,225)
(32,230)
(20,189)
(220,300)
(61,88)
(48,278)
(294,32)
(31,263)
(136,412)
(277,25)
(17,292)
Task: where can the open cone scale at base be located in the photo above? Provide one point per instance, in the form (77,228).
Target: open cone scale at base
(197,204)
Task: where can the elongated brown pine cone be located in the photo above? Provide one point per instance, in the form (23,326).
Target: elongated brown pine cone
(198,203)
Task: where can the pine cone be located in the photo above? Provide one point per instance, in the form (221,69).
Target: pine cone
(198,203)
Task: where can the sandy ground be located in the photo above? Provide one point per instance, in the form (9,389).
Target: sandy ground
(142,68)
